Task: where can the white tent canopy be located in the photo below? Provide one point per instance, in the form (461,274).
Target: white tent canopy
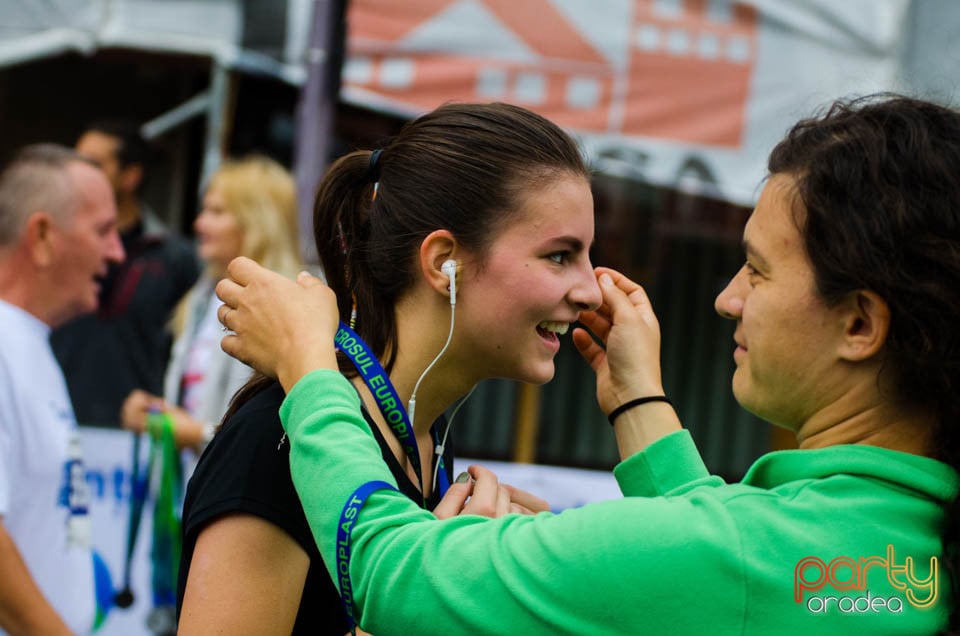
(229,31)
(248,36)
(690,94)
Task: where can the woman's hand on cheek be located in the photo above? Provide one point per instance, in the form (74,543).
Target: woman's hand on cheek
(282,328)
(628,363)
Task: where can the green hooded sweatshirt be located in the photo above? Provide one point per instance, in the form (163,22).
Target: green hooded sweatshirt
(842,540)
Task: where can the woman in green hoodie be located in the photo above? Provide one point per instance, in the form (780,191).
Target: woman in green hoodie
(846,311)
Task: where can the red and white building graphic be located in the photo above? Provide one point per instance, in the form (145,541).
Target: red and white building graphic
(682,72)
(670,79)
(689,71)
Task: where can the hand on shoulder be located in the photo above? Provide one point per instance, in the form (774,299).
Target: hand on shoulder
(282,328)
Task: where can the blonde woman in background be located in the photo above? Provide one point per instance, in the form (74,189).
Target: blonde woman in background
(249,209)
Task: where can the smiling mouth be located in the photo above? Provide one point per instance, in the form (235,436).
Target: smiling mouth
(551,330)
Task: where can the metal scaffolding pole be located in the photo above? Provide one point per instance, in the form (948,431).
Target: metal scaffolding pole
(315,112)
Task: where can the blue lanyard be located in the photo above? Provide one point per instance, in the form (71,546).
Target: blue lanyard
(347,517)
(395,414)
(389,403)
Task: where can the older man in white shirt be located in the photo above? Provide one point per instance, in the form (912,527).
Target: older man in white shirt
(58,235)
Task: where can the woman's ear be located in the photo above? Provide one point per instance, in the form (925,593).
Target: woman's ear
(866,325)
(438,247)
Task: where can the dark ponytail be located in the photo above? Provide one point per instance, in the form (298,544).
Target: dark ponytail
(342,224)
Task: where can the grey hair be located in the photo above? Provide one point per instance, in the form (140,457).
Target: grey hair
(35,179)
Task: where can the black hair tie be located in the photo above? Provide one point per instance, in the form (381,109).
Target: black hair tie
(626,406)
(373,167)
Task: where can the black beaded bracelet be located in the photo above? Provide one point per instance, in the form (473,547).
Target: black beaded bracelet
(637,402)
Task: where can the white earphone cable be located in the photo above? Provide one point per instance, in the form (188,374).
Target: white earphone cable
(443,443)
(450,268)
(412,405)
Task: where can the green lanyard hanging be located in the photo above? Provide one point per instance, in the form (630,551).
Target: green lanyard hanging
(165,553)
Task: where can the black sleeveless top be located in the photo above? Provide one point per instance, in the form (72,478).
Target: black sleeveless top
(246,469)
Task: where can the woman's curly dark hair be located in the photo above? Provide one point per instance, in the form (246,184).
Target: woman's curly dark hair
(879,182)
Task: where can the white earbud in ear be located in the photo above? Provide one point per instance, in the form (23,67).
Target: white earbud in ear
(449,268)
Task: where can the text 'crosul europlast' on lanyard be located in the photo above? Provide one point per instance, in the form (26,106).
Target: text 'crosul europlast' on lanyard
(393,411)
(389,403)
(347,517)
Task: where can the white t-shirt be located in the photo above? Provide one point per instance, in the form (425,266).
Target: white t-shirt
(43,492)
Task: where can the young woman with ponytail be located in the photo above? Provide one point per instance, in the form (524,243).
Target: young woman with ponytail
(847,333)
(486,205)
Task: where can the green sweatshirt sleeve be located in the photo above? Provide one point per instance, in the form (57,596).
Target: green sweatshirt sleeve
(664,467)
(654,565)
